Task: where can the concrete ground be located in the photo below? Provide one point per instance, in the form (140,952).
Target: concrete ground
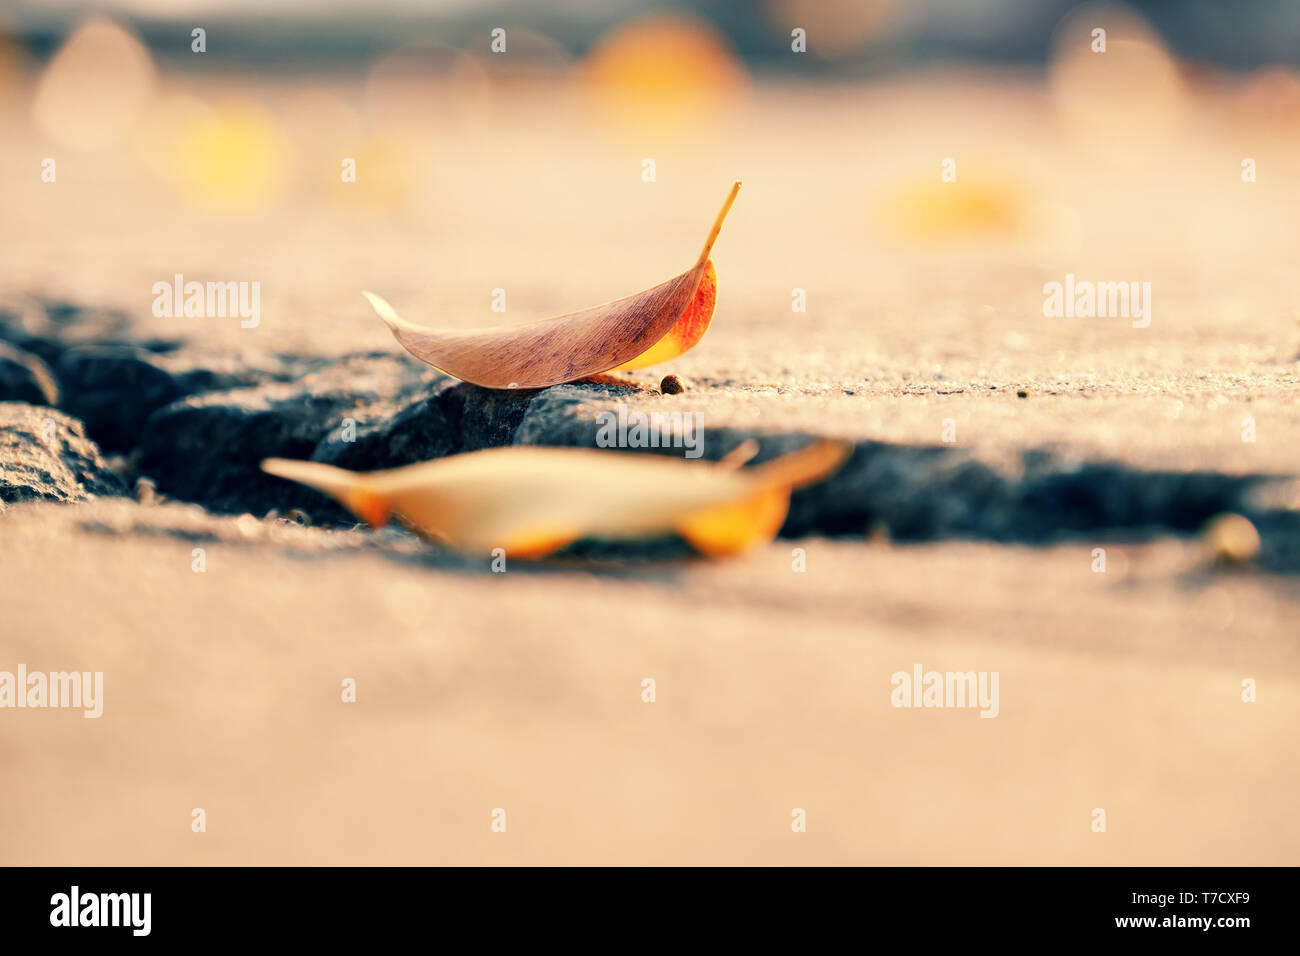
(523,691)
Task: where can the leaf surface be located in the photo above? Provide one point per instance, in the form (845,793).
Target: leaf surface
(644,329)
(534,501)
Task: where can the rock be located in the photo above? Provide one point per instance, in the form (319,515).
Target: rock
(114,389)
(48,328)
(383,437)
(566,414)
(486,417)
(457,417)
(25,378)
(208,448)
(1055,498)
(1279,540)
(909,493)
(198,370)
(46,454)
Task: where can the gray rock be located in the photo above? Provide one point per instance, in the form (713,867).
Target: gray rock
(486,417)
(457,417)
(48,328)
(46,454)
(208,448)
(25,378)
(114,389)
(387,437)
(197,370)
(570,415)
(567,414)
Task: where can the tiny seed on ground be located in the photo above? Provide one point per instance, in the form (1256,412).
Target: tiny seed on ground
(672,385)
(146,492)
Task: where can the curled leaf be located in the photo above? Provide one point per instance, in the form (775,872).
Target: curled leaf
(533,501)
(643,329)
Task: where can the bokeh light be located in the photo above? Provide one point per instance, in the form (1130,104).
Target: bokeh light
(232,157)
(96,86)
(1119,102)
(662,74)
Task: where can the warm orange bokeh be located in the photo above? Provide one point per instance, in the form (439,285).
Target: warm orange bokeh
(662,74)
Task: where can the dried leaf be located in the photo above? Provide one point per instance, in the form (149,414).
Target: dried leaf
(533,501)
(643,329)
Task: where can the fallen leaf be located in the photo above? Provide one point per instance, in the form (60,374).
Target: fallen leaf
(643,329)
(534,501)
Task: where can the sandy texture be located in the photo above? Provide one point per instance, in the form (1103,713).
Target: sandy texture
(523,691)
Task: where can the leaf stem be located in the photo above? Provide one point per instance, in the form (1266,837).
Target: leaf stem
(717,225)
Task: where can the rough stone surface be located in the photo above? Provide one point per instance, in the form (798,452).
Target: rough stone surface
(114,389)
(207,448)
(567,414)
(485,417)
(49,327)
(46,454)
(25,378)
(386,437)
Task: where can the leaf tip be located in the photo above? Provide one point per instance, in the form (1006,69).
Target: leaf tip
(274,466)
(385,311)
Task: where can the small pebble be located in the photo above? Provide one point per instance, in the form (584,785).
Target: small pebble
(146,491)
(1022,394)
(672,385)
(878,534)
(1232,539)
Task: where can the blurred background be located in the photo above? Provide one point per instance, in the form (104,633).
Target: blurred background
(848,36)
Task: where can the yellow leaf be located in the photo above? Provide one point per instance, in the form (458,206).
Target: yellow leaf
(533,501)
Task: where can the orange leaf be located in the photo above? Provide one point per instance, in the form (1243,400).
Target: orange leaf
(643,329)
(687,331)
